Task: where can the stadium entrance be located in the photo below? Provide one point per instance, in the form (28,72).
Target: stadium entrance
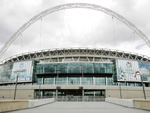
(72,94)
(81,95)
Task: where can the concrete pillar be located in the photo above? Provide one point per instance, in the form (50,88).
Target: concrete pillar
(80,80)
(94,95)
(41,94)
(105,80)
(67,81)
(42,82)
(93,80)
(54,80)
(82,94)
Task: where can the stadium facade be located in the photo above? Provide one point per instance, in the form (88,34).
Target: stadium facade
(75,73)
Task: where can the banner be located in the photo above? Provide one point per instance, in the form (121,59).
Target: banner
(128,70)
(145,70)
(23,70)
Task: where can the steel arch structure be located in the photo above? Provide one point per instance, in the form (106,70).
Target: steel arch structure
(69,6)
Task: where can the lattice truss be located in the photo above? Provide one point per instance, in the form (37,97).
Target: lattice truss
(69,6)
(77,52)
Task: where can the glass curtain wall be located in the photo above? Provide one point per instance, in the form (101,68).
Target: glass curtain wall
(49,81)
(87,80)
(75,81)
(61,80)
(100,81)
(74,68)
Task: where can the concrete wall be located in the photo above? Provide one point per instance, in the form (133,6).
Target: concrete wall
(35,103)
(123,102)
(127,92)
(142,104)
(20,94)
(13,105)
(27,92)
(10,105)
(139,104)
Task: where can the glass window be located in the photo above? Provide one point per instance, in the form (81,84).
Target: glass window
(68,59)
(87,80)
(39,80)
(138,84)
(48,80)
(83,59)
(131,84)
(100,81)
(74,68)
(61,80)
(123,84)
(49,93)
(87,68)
(74,80)
(109,81)
(89,93)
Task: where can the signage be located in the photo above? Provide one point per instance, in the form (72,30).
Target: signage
(23,70)
(128,70)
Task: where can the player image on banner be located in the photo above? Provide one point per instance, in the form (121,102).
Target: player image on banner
(23,70)
(128,70)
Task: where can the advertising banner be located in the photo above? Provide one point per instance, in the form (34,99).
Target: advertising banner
(5,73)
(145,70)
(23,70)
(128,70)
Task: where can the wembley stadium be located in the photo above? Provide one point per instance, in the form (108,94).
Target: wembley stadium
(75,74)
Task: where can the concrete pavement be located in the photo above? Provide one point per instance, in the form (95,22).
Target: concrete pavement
(81,107)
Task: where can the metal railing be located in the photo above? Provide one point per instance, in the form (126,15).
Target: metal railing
(72,98)
(80,98)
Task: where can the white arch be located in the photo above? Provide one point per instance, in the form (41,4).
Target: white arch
(69,6)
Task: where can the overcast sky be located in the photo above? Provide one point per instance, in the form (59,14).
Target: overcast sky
(74,27)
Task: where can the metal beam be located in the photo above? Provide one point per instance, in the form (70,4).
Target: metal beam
(69,6)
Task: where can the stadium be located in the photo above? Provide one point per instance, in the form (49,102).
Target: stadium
(75,74)
(78,72)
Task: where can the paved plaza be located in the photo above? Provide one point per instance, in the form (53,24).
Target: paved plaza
(80,107)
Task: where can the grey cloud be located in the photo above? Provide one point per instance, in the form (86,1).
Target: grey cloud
(58,32)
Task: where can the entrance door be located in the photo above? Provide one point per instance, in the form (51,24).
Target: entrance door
(69,95)
(76,95)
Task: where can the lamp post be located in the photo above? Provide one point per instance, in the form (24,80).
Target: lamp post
(120,90)
(16,87)
(82,82)
(143,87)
(39,90)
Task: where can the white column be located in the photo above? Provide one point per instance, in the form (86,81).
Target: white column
(41,94)
(82,94)
(67,80)
(54,81)
(93,80)
(42,81)
(105,80)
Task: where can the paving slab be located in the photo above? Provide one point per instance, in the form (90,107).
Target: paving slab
(81,107)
